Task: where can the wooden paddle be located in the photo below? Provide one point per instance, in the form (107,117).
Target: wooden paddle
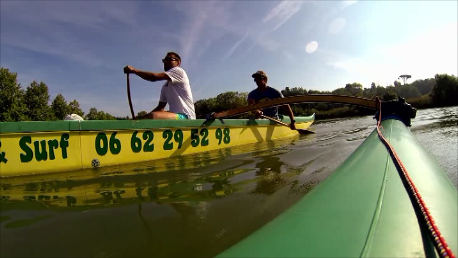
(301,131)
(128,96)
(309,98)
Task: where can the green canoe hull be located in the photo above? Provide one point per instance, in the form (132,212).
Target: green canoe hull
(363,208)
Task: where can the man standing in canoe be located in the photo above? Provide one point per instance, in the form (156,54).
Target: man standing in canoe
(176,91)
(263,93)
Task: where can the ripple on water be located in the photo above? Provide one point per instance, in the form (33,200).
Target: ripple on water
(183,207)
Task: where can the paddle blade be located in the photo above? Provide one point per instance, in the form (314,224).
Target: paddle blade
(304,131)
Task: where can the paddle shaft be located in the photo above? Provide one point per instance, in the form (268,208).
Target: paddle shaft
(275,120)
(128,96)
(309,98)
(302,131)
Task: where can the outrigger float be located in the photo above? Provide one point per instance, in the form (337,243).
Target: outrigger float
(28,148)
(390,198)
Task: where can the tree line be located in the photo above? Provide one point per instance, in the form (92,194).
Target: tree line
(442,90)
(33,103)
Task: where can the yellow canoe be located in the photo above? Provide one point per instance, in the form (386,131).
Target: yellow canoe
(28,148)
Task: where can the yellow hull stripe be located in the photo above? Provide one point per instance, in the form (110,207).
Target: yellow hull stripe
(57,151)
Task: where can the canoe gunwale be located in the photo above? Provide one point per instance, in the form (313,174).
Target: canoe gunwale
(101,125)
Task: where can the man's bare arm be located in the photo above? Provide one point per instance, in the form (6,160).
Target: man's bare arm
(160,106)
(288,111)
(152,76)
(257,113)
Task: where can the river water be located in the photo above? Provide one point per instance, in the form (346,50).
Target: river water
(198,211)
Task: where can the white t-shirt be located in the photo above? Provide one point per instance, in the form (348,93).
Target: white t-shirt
(177,93)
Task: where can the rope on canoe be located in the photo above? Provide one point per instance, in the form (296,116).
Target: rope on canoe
(439,242)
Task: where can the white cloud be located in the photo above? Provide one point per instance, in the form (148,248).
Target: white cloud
(422,57)
(123,11)
(235,46)
(80,13)
(354,65)
(311,47)
(50,27)
(347,3)
(332,55)
(336,26)
(262,39)
(288,55)
(60,43)
(208,21)
(204,23)
(282,13)
(336,8)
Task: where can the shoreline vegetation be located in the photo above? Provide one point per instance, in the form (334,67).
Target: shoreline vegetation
(33,103)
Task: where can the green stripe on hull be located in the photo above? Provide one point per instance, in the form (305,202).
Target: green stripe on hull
(363,209)
(97,125)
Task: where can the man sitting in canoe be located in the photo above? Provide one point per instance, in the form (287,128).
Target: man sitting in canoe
(263,93)
(176,91)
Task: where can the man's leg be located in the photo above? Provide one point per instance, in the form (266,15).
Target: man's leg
(159,115)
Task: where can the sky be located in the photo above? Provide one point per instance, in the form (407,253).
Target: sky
(79,48)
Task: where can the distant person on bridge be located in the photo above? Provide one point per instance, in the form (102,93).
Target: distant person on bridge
(263,93)
(176,91)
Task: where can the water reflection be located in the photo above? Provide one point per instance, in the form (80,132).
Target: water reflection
(195,211)
(183,186)
(190,206)
(270,171)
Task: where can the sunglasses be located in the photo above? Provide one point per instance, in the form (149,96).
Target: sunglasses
(169,59)
(259,78)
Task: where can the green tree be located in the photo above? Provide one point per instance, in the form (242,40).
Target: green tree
(122,118)
(60,107)
(205,106)
(286,92)
(404,78)
(445,92)
(231,100)
(142,113)
(12,106)
(92,115)
(105,116)
(224,101)
(389,95)
(355,89)
(74,108)
(407,91)
(424,86)
(98,115)
(318,92)
(341,91)
(36,99)
(294,91)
